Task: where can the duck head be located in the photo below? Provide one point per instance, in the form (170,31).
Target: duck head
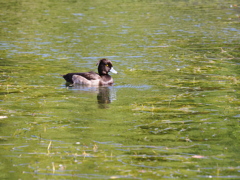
(105,66)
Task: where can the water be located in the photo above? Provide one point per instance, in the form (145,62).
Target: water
(173,111)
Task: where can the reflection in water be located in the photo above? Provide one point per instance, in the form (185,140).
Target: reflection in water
(104,97)
(105,94)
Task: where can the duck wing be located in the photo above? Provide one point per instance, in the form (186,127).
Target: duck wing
(88,75)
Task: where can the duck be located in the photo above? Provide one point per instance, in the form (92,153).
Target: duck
(91,78)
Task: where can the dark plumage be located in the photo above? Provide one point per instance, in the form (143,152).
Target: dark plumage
(91,78)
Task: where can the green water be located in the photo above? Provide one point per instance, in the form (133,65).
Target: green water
(173,111)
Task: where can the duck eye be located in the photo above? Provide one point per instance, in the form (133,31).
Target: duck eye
(106,64)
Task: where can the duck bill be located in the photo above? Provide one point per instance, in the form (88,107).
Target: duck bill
(113,71)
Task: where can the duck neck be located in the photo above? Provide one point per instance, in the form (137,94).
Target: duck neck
(102,73)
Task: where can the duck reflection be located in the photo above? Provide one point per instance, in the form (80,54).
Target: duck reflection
(105,94)
(104,97)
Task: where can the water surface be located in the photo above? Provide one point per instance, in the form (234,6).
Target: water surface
(173,111)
